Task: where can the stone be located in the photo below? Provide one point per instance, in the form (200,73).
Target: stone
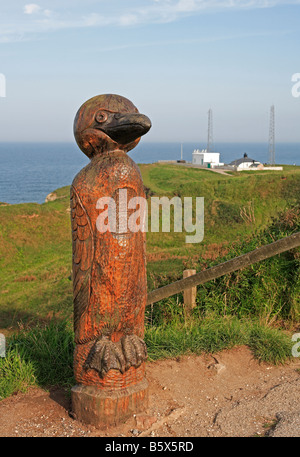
(144,421)
(51,197)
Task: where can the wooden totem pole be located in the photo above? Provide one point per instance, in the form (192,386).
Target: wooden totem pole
(109,268)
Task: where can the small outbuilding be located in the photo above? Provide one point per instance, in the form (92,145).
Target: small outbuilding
(245,163)
(206,159)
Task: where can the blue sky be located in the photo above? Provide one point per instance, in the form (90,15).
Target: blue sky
(175,59)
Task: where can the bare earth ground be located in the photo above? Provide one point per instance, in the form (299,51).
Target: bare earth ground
(226,395)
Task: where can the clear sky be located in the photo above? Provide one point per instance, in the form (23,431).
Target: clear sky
(174,59)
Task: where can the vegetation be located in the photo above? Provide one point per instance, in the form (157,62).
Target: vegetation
(258,306)
(40,356)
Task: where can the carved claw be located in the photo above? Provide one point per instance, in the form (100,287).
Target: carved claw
(134,350)
(106,355)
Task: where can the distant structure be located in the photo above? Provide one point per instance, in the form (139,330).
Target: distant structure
(245,163)
(210,141)
(206,159)
(272,137)
(181,155)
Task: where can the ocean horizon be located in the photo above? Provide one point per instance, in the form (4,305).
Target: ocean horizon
(30,171)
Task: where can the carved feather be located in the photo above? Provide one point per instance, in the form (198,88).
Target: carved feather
(83,255)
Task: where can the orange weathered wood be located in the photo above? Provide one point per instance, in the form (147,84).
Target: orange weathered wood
(109,266)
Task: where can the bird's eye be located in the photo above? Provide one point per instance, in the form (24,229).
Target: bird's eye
(101,117)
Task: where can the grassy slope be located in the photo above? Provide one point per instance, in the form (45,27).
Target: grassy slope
(35,276)
(35,260)
(225,196)
(35,249)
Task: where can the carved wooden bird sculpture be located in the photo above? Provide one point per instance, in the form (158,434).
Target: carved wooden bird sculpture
(109,270)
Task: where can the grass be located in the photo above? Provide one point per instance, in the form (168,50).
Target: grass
(16,374)
(35,248)
(214,334)
(194,335)
(269,344)
(252,306)
(40,356)
(43,356)
(49,351)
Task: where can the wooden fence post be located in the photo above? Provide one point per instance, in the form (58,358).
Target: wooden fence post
(189,295)
(243,261)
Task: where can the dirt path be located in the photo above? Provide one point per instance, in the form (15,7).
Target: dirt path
(226,395)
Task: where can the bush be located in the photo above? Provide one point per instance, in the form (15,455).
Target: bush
(268,290)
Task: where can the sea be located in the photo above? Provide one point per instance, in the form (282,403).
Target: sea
(30,171)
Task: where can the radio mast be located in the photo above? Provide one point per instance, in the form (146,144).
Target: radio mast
(272,137)
(210,142)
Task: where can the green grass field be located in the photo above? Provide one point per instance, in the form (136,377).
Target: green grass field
(258,306)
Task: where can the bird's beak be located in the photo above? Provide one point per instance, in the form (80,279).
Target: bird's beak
(125,128)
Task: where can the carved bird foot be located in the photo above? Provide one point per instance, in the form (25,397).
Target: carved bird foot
(107,355)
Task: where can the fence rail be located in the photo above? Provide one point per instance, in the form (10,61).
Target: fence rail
(259,254)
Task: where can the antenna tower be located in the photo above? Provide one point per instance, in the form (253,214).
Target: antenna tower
(210,142)
(272,137)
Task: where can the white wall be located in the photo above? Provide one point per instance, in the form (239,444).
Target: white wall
(247,165)
(203,157)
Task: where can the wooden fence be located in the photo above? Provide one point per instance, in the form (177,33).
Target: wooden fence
(190,282)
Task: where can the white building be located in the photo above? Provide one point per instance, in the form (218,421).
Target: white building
(207,159)
(245,163)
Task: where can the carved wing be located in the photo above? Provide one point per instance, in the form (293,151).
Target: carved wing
(83,255)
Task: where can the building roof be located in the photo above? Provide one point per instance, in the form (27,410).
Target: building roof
(244,159)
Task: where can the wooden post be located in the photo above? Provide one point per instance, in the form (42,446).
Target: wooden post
(189,295)
(243,261)
(109,267)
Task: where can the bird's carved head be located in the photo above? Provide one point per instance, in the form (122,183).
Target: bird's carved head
(107,123)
